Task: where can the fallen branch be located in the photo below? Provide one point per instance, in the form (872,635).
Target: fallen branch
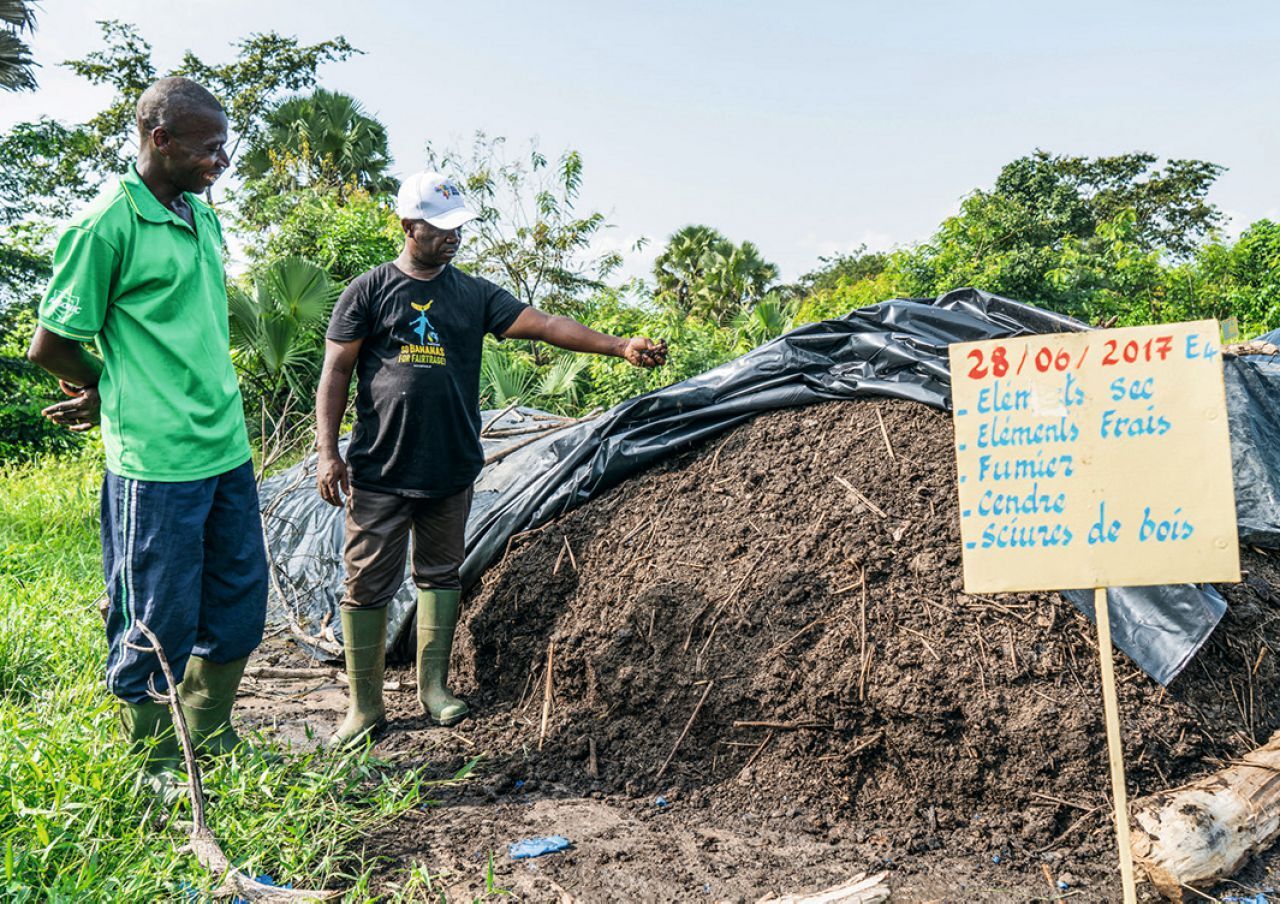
(503,453)
(266,671)
(1193,836)
(488,428)
(203,843)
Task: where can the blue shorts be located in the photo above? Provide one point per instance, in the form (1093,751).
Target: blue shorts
(186,559)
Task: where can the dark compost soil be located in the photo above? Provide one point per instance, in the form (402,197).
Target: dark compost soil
(770,632)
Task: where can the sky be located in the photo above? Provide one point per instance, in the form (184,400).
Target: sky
(808,127)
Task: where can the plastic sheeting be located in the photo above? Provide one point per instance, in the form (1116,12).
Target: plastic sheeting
(894,349)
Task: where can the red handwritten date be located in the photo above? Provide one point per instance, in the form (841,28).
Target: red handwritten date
(1046,359)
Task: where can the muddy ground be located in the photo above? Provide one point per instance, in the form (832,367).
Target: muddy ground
(765,678)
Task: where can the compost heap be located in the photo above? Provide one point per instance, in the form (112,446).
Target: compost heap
(797,583)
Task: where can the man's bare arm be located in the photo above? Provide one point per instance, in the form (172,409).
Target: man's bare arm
(65,358)
(331,402)
(567,333)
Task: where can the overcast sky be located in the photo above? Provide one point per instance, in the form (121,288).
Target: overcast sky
(808,127)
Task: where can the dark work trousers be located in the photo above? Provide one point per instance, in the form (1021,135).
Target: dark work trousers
(378,526)
(186,559)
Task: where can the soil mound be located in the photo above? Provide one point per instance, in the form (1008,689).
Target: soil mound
(773,626)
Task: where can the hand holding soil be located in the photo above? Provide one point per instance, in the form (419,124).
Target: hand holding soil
(644,352)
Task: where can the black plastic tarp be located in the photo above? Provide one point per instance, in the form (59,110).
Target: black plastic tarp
(894,349)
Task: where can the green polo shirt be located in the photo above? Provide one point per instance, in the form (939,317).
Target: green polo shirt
(131,276)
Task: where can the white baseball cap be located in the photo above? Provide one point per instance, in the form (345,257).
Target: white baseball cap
(435,198)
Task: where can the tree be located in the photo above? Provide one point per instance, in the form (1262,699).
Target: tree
(16,64)
(683,268)
(841,269)
(323,139)
(702,274)
(346,235)
(1047,215)
(265,66)
(1074,195)
(530,236)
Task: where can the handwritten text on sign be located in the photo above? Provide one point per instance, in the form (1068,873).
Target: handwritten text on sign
(1095,459)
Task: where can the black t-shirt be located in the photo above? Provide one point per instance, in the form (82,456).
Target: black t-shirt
(417,427)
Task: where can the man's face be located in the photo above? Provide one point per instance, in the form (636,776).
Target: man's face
(431,246)
(194,152)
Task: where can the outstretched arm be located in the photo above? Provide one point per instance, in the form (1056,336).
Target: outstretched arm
(331,402)
(78,373)
(567,333)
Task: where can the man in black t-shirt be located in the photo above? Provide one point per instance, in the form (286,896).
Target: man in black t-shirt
(413,330)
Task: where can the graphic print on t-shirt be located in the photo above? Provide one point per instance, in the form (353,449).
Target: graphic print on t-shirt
(429,350)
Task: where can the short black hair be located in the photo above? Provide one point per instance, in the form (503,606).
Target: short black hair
(170,100)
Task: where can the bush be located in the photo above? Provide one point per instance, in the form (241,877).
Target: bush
(24,390)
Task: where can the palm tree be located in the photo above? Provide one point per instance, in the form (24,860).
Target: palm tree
(737,277)
(681,270)
(509,375)
(277,342)
(16,64)
(766,320)
(321,139)
(702,273)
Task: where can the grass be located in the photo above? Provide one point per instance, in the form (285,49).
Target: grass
(71,829)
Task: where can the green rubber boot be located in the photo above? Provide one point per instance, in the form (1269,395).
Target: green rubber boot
(437,618)
(364,644)
(142,722)
(207,693)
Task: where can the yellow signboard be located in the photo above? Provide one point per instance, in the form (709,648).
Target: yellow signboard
(1096,459)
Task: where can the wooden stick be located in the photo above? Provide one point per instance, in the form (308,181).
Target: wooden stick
(203,843)
(680,740)
(862,643)
(1065,803)
(546,694)
(1115,748)
(885,433)
(593,764)
(861,498)
(784,726)
(756,753)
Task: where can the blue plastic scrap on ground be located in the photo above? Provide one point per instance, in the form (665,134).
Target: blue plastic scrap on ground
(661,802)
(1259,898)
(536,847)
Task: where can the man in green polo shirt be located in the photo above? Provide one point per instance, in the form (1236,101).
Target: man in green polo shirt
(139,273)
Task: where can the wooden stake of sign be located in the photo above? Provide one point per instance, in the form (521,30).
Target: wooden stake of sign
(1115,747)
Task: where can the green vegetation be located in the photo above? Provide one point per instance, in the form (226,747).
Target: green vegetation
(66,833)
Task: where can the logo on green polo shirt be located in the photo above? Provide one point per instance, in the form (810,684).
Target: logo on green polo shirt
(63,306)
(429,350)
